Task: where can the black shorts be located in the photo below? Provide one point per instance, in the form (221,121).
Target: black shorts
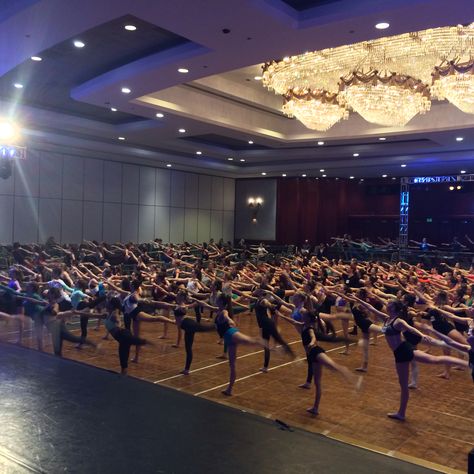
(64,305)
(444,327)
(461,327)
(363,324)
(411,338)
(313,353)
(404,352)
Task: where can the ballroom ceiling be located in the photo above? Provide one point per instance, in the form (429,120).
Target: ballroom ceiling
(233,126)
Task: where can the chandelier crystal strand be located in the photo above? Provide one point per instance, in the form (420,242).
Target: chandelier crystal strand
(316,110)
(413,55)
(455,82)
(390,99)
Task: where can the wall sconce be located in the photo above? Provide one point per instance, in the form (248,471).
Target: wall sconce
(254,204)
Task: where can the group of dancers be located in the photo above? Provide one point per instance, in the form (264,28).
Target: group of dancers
(205,288)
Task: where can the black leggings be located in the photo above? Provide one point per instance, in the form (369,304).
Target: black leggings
(60,333)
(269,329)
(126,340)
(309,376)
(197,313)
(84,320)
(191,327)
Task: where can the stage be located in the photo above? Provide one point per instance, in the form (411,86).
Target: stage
(59,415)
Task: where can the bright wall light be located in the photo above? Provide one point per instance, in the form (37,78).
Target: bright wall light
(8,131)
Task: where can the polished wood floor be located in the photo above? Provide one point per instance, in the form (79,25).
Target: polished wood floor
(440,419)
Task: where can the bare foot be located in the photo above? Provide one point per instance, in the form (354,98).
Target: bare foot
(306,385)
(313,411)
(443,375)
(396,416)
(163,337)
(175,346)
(264,370)
(358,383)
(345,352)
(412,385)
(185,372)
(222,356)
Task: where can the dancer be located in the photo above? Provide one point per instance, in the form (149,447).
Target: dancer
(318,358)
(267,326)
(403,351)
(232,339)
(121,334)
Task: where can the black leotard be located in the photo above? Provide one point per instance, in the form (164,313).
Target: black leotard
(361,319)
(413,339)
(439,322)
(306,337)
(179,312)
(404,351)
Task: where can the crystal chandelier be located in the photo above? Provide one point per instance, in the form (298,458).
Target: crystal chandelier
(455,82)
(389,99)
(316,110)
(393,91)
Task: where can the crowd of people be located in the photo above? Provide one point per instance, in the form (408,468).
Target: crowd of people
(129,285)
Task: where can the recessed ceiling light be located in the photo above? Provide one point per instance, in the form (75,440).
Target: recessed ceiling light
(230,159)
(384,176)
(404,165)
(320,143)
(258,78)
(130,27)
(36,58)
(463,171)
(264,174)
(459,139)
(321,171)
(337,179)
(355,155)
(17,85)
(351,177)
(182,130)
(284,175)
(250,142)
(160,115)
(168,165)
(242,160)
(324,175)
(382,139)
(382,25)
(394,178)
(362,180)
(199,153)
(126,90)
(113,109)
(121,138)
(183,70)
(79,44)
(303,175)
